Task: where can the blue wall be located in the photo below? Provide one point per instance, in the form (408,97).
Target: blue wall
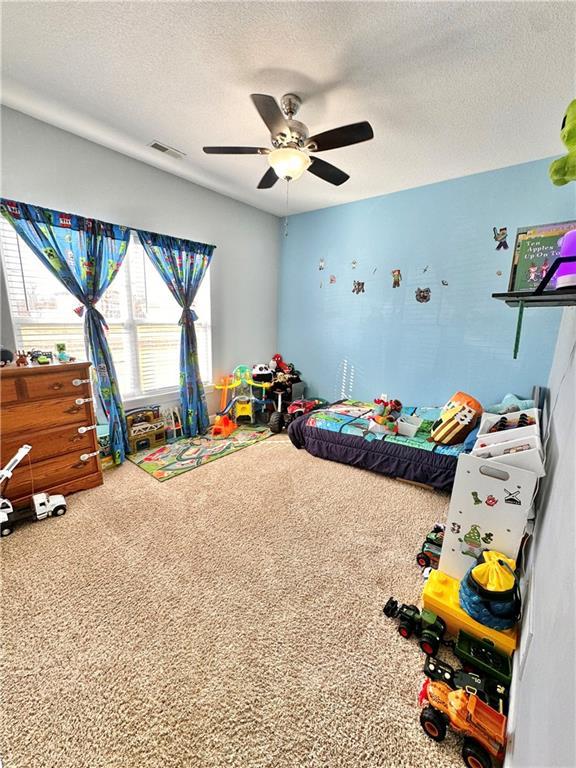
(384,340)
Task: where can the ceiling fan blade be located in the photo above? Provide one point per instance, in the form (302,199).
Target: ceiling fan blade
(270,112)
(268,180)
(328,172)
(342,137)
(236,150)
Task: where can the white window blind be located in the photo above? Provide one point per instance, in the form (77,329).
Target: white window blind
(142,315)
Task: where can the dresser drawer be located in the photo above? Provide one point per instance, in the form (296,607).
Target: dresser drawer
(29,479)
(57,384)
(48,442)
(8,390)
(24,417)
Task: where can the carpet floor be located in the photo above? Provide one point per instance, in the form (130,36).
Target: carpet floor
(229,618)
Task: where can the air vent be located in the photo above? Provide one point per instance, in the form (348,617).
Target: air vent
(166,150)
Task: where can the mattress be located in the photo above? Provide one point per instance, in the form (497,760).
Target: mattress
(341,433)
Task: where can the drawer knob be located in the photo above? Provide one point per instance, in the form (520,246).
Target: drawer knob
(57,385)
(82,400)
(79,382)
(86,429)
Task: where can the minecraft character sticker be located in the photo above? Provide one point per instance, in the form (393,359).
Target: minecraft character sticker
(491,501)
(358,287)
(477,499)
(500,237)
(396,278)
(354,263)
(332,279)
(423,295)
(321,265)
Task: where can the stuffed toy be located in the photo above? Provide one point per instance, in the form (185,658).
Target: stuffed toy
(457,419)
(277,364)
(385,415)
(563,170)
(509,404)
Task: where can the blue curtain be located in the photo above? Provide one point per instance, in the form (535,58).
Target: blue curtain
(182,265)
(85,255)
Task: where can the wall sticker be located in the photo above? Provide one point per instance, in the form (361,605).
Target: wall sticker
(423,295)
(500,236)
(358,287)
(396,278)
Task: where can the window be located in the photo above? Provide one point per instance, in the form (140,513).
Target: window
(142,316)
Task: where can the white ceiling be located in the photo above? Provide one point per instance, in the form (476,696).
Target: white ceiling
(450,88)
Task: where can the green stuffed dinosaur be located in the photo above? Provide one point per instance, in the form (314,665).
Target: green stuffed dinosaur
(563,170)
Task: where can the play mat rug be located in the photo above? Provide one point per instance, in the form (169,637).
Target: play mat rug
(191,452)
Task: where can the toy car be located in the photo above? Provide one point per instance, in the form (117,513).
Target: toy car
(429,628)
(429,555)
(279,420)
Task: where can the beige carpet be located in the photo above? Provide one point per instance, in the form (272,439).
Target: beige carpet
(229,618)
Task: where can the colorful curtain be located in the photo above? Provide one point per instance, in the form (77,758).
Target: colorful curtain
(84,255)
(182,265)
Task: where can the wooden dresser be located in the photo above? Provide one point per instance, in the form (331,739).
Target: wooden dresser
(50,408)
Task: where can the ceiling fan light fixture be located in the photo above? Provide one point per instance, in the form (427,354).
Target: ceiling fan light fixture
(289,163)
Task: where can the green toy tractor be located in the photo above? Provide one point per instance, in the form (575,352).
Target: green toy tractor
(425,625)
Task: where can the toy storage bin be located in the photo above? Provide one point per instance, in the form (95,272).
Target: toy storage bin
(408,425)
(490,419)
(525,453)
(489,507)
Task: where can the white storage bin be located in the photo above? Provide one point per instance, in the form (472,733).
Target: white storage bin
(490,505)
(525,453)
(408,425)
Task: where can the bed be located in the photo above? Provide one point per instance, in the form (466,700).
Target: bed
(340,432)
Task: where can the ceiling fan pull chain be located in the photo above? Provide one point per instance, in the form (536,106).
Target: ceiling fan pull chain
(286,218)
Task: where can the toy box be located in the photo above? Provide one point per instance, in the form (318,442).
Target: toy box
(489,507)
(440,595)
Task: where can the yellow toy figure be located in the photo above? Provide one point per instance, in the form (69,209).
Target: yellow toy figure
(563,170)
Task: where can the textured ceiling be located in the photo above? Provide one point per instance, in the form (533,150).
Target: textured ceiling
(450,88)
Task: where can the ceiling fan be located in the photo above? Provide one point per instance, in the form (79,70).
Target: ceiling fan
(292,146)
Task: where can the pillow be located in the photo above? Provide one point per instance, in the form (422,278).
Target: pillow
(458,418)
(509,404)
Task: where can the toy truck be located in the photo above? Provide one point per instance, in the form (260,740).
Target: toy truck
(483,728)
(493,693)
(429,555)
(426,625)
(279,420)
(484,656)
(43,505)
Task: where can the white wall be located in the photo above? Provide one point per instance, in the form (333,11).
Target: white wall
(544,721)
(44,165)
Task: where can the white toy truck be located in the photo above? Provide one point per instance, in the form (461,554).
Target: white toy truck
(43,505)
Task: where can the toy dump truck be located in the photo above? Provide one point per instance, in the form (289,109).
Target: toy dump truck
(429,555)
(483,728)
(426,625)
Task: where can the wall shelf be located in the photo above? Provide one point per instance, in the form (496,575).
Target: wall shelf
(560,298)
